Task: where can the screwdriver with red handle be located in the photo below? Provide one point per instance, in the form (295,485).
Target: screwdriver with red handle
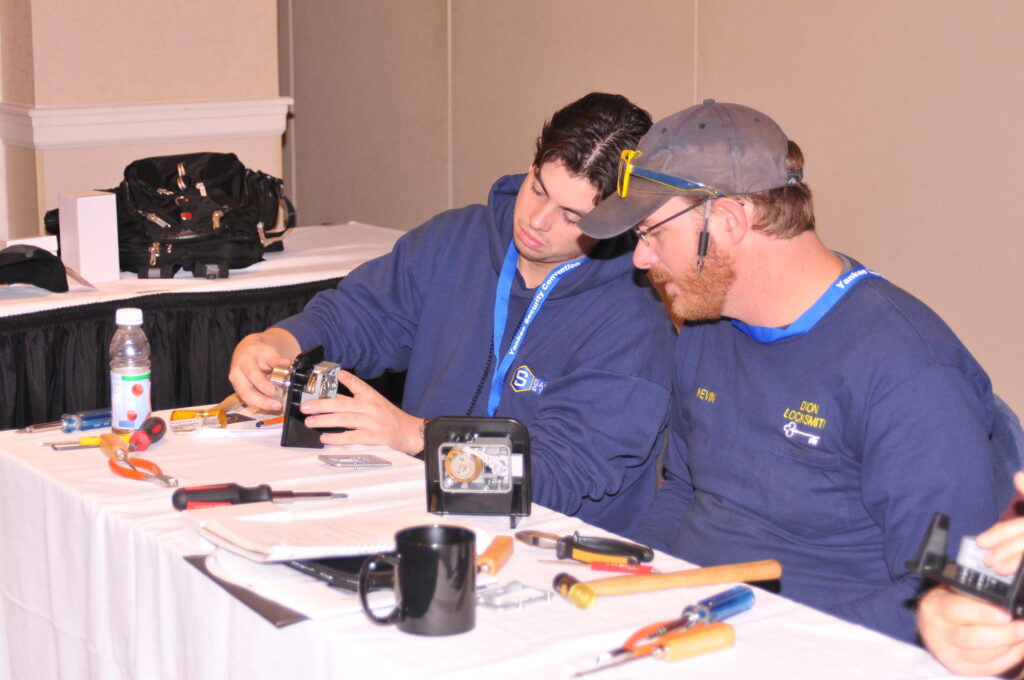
(193,497)
(150,432)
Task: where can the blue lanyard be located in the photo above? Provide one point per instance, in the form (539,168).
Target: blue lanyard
(501,298)
(812,316)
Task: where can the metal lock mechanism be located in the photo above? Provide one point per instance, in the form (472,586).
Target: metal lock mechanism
(309,377)
(478,466)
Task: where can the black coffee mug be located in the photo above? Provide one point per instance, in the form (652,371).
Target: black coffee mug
(435,580)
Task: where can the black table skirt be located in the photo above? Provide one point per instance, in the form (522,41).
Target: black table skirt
(57,362)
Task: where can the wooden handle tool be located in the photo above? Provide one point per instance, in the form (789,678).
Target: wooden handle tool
(765,570)
(494,558)
(230,403)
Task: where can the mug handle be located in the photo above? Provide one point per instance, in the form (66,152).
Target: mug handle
(369,566)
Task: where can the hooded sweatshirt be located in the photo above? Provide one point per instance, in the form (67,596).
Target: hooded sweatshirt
(591,378)
(829,451)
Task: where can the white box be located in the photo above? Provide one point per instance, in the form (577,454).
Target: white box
(44,242)
(88,235)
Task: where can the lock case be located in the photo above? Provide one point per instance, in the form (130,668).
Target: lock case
(477,466)
(308,378)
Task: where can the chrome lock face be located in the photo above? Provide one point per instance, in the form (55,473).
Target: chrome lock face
(480,465)
(320,382)
(323,381)
(308,378)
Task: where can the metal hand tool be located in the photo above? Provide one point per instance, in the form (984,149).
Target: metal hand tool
(718,607)
(677,638)
(672,646)
(80,443)
(70,422)
(122,463)
(588,548)
(742,572)
(192,497)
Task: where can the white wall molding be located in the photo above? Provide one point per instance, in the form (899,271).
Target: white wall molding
(74,126)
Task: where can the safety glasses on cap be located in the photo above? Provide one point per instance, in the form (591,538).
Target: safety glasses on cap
(627,170)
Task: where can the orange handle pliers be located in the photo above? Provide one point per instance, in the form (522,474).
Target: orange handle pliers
(122,463)
(670,646)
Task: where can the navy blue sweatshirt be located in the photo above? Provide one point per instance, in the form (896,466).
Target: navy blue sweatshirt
(590,381)
(828,451)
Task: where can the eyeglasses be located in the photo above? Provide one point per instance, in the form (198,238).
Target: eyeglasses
(702,243)
(627,170)
(644,232)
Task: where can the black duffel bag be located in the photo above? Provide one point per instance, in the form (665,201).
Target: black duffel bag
(204,212)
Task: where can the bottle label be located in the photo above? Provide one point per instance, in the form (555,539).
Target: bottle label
(129,400)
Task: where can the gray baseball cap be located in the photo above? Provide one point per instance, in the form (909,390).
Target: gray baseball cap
(711,149)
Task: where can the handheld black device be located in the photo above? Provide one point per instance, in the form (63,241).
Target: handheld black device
(967,574)
(309,377)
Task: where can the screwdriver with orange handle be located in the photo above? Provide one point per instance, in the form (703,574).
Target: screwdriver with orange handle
(490,561)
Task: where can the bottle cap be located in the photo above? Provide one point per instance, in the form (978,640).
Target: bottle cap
(128,316)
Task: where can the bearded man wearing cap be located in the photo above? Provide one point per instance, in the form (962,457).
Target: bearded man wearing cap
(820,413)
(508,310)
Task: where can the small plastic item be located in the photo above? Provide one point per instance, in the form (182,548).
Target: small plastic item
(354,461)
(513,595)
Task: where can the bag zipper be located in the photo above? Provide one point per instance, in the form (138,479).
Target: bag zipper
(156,219)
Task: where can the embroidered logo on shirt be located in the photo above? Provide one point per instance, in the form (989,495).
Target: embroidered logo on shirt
(707,395)
(523,380)
(806,415)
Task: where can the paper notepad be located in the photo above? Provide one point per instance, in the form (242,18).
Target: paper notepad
(280,536)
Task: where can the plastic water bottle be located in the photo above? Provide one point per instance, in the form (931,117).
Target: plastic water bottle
(130,401)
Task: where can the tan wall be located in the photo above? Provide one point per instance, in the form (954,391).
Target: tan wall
(910,115)
(110,52)
(514,64)
(908,112)
(369,133)
(383,135)
(16,79)
(107,53)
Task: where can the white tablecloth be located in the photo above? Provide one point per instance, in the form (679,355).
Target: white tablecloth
(310,254)
(93,585)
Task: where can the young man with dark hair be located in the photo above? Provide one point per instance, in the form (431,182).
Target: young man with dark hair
(505,310)
(820,413)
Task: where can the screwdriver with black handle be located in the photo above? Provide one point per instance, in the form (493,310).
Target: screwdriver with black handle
(193,497)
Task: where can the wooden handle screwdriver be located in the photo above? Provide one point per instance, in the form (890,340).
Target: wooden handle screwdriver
(494,558)
(764,570)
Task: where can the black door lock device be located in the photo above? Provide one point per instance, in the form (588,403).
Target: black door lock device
(308,378)
(967,574)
